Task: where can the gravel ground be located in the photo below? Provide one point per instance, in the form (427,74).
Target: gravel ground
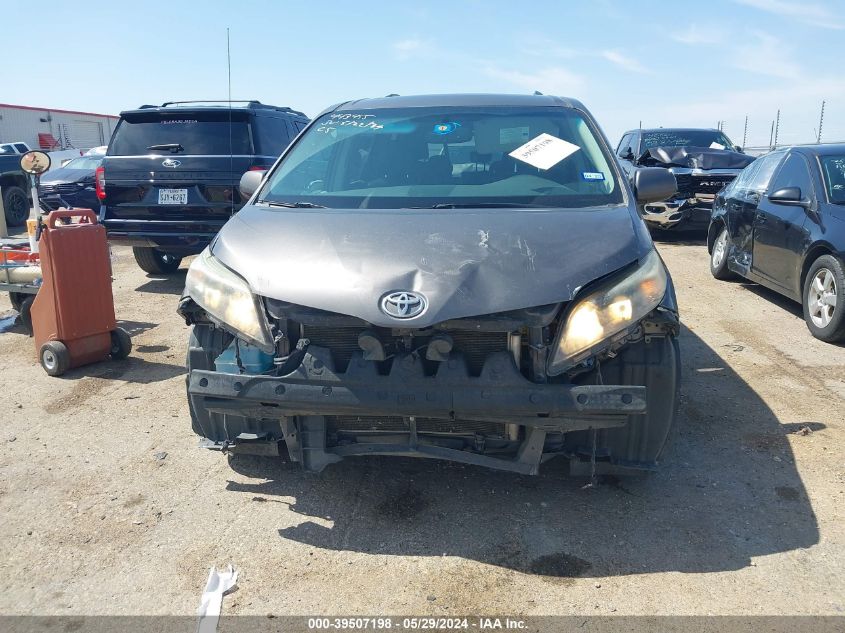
(108,507)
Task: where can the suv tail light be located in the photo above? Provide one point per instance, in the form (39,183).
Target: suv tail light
(100,182)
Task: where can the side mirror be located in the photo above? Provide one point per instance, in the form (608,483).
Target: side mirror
(628,154)
(35,163)
(790,197)
(250,182)
(737,148)
(653,184)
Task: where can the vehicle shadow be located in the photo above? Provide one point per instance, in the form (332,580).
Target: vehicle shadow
(680,237)
(793,307)
(728,492)
(172,284)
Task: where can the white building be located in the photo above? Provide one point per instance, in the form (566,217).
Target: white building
(52,129)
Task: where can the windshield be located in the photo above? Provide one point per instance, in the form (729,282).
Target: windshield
(462,156)
(833,168)
(84,163)
(198,133)
(681,138)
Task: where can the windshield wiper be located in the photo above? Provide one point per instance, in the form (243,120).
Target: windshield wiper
(293,205)
(481,205)
(173,147)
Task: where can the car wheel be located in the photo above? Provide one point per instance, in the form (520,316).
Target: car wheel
(719,257)
(824,299)
(26,313)
(54,357)
(121,344)
(17,299)
(154,261)
(16,203)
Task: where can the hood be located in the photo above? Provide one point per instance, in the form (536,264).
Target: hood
(63,174)
(466,262)
(694,158)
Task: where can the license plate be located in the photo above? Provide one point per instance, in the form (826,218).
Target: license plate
(173,196)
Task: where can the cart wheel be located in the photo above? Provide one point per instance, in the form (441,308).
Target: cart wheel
(121,344)
(26,313)
(55,359)
(16,299)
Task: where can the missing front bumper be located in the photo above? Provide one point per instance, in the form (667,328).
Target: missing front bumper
(295,408)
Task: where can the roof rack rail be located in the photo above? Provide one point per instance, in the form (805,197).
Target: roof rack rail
(250,103)
(247,101)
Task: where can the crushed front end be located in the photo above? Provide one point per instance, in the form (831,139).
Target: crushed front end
(700,173)
(491,390)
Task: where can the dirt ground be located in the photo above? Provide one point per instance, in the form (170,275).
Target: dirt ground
(745,516)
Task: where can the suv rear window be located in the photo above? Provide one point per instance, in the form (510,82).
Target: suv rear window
(198,133)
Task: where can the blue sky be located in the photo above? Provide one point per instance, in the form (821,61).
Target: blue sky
(662,63)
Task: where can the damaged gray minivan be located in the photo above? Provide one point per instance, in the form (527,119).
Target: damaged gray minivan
(459,277)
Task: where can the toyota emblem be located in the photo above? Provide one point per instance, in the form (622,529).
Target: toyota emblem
(171,162)
(403,304)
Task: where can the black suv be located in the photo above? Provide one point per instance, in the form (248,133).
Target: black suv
(169,179)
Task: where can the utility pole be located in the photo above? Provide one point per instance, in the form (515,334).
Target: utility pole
(777,127)
(821,121)
(745,132)
(772,136)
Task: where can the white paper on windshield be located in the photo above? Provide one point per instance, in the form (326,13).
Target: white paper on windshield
(715,145)
(544,151)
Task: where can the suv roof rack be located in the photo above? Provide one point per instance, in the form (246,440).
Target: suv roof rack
(250,103)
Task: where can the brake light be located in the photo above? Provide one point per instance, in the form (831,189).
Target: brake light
(100,182)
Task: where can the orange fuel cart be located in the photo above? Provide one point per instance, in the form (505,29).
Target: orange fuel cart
(73,320)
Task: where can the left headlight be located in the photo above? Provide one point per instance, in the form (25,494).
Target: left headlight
(228,298)
(607,311)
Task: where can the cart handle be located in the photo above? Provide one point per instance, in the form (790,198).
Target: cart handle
(86,216)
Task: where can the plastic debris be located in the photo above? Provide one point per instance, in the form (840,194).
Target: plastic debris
(217,585)
(7,321)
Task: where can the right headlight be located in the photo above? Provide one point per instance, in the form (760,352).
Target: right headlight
(228,298)
(607,311)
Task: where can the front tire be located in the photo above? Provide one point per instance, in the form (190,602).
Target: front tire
(154,261)
(16,203)
(719,257)
(824,299)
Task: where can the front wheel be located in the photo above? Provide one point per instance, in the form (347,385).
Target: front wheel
(824,299)
(719,257)
(16,203)
(154,261)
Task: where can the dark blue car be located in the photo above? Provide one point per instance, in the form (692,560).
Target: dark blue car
(781,223)
(71,185)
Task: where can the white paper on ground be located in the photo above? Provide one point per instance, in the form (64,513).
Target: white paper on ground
(544,151)
(715,145)
(218,583)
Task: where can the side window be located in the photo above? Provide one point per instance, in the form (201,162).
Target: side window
(273,135)
(634,143)
(21,148)
(794,173)
(758,181)
(624,144)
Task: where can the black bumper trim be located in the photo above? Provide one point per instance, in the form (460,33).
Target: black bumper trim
(500,393)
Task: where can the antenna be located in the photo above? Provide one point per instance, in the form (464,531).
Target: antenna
(229,95)
(821,121)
